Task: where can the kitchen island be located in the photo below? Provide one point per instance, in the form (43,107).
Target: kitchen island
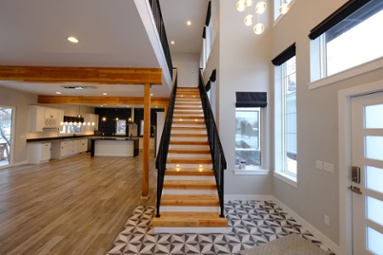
(114,146)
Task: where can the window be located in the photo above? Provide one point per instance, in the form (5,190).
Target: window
(286,116)
(277,5)
(121,127)
(249,126)
(247,139)
(348,38)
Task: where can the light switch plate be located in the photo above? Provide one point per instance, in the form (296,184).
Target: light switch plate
(328,167)
(319,164)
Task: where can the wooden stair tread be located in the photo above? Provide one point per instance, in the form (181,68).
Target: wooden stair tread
(188,142)
(187,108)
(188,116)
(189,172)
(189,161)
(189,122)
(188,128)
(189,151)
(189,184)
(187,135)
(189,200)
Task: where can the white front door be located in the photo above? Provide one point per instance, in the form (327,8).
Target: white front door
(367,189)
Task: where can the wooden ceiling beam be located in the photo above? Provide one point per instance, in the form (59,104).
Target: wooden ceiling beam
(96,75)
(87,100)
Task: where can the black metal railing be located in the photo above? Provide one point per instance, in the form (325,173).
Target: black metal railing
(164,144)
(216,150)
(156,10)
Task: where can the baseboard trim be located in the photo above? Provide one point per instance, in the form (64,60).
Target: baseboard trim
(324,239)
(21,163)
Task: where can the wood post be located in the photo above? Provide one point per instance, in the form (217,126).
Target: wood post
(146,143)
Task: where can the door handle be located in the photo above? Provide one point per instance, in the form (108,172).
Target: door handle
(355,190)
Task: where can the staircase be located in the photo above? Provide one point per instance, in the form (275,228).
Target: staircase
(189,201)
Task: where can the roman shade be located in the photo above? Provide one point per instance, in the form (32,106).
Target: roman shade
(284,56)
(251,99)
(340,15)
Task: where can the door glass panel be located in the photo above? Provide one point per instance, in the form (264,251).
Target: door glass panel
(374,177)
(5,135)
(375,210)
(374,241)
(374,147)
(374,116)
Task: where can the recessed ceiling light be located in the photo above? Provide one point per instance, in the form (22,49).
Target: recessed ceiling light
(188,23)
(72,39)
(104,94)
(58,93)
(172,42)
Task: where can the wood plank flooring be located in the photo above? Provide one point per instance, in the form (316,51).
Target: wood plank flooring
(76,205)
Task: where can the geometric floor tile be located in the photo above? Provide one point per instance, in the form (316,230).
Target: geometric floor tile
(251,223)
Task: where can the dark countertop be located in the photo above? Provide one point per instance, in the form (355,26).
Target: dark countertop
(114,138)
(71,137)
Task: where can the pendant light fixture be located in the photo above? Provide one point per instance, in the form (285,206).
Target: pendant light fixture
(260,8)
(284,7)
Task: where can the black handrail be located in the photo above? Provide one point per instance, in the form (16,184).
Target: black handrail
(164,144)
(156,10)
(216,150)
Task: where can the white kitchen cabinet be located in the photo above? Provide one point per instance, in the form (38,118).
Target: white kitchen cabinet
(39,152)
(82,145)
(41,117)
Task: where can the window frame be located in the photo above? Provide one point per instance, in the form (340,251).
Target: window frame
(280,148)
(277,15)
(318,54)
(262,169)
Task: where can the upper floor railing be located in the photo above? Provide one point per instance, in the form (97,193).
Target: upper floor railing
(156,9)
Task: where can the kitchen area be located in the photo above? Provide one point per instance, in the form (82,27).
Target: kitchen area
(61,131)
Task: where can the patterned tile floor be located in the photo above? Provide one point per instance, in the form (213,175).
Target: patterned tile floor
(251,223)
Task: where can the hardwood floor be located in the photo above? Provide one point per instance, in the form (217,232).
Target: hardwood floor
(76,205)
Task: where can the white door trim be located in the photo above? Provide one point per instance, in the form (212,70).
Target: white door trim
(344,144)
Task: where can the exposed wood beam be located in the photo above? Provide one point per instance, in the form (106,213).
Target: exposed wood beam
(88,100)
(98,75)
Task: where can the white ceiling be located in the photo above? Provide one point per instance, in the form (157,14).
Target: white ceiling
(111,34)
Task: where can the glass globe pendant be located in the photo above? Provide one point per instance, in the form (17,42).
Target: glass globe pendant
(260,7)
(249,3)
(241,5)
(284,8)
(259,28)
(249,19)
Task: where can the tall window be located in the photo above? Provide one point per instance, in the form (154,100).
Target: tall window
(249,135)
(350,37)
(277,6)
(289,117)
(247,139)
(286,115)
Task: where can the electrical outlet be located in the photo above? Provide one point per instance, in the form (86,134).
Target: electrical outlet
(319,164)
(328,167)
(327,220)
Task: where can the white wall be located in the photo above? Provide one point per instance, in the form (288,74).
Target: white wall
(21,102)
(187,65)
(317,121)
(242,61)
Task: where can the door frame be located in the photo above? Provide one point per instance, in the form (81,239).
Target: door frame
(345,163)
